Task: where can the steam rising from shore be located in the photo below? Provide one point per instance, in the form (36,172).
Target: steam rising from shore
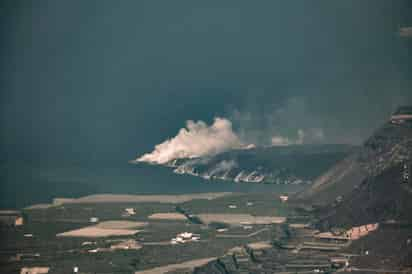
(197,139)
(284,141)
(313,135)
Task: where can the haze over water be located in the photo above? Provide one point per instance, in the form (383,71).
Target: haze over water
(26,184)
(104,82)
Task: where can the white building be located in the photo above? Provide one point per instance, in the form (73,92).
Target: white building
(94,219)
(284,198)
(185,237)
(131,211)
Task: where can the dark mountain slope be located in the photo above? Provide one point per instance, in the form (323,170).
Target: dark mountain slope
(388,147)
(340,179)
(388,247)
(372,185)
(378,199)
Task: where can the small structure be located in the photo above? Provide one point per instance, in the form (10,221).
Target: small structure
(130,211)
(76,269)
(12,218)
(402,115)
(284,198)
(232,206)
(339,262)
(94,219)
(35,270)
(185,237)
(126,245)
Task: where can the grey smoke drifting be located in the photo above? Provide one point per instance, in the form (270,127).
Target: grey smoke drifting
(288,123)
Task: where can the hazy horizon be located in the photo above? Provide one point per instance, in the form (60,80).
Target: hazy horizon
(102,81)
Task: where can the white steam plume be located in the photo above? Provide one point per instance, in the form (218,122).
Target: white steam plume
(278,140)
(313,135)
(196,140)
(281,141)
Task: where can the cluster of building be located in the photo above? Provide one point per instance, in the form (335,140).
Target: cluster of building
(185,237)
(352,234)
(360,231)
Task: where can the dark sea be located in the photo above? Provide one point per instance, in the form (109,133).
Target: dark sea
(24,184)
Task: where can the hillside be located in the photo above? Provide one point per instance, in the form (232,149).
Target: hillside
(373,185)
(384,198)
(389,146)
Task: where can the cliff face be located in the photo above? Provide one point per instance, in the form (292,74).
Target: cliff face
(390,146)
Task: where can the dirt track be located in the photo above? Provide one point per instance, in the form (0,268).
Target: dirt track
(188,264)
(238,219)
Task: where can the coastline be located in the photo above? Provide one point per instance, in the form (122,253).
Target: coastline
(127,198)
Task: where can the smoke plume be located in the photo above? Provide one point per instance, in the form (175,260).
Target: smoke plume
(197,139)
(308,136)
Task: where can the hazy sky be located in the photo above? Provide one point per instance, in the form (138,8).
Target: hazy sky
(107,80)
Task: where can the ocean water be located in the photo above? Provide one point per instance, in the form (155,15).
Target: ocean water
(23,184)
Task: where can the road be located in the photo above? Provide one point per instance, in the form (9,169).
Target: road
(242,235)
(376,270)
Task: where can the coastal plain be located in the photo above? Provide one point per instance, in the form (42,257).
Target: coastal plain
(83,232)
